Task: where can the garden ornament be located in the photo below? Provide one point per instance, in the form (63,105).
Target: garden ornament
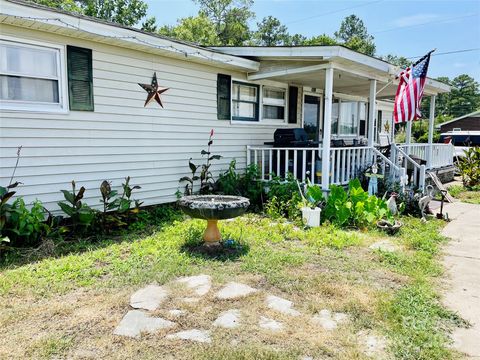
(392,204)
(373,181)
(425,200)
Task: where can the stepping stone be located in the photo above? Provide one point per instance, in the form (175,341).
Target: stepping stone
(135,322)
(340,317)
(270,324)
(148,298)
(324,319)
(326,323)
(177,312)
(282,305)
(384,245)
(372,344)
(229,319)
(200,284)
(192,335)
(235,290)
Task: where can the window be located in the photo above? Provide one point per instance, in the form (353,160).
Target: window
(348,119)
(347,116)
(244,102)
(80,78)
(30,77)
(273,100)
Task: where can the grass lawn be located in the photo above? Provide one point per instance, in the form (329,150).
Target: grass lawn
(66,305)
(465,195)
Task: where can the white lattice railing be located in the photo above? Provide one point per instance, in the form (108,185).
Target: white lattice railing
(346,163)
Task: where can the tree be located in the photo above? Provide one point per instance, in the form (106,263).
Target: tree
(124,12)
(464,96)
(401,61)
(323,39)
(230,19)
(150,25)
(354,35)
(198,29)
(270,32)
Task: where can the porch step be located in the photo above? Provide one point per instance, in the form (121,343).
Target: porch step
(440,186)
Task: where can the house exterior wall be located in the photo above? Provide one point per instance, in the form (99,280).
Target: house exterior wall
(122,138)
(471,123)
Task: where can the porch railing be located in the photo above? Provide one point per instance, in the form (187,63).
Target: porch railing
(346,163)
(415,172)
(441,154)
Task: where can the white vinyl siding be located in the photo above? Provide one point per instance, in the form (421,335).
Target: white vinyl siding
(121,137)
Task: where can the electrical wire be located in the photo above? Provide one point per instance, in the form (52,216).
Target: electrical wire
(425,23)
(446,53)
(135,38)
(333,12)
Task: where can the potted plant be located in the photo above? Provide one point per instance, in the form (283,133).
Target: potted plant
(310,204)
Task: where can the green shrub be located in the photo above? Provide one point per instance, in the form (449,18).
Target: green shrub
(81,215)
(353,207)
(24,226)
(247,185)
(469,166)
(283,198)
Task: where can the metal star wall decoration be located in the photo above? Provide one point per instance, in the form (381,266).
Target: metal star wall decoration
(153,90)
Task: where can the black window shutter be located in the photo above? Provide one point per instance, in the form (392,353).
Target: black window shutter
(80,78)
(292,104)
(224,94)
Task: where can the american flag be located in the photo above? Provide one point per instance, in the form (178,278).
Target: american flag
(410,91)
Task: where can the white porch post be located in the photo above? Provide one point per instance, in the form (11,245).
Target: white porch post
(431,123)
(372,112)
(327,129)
(408,137)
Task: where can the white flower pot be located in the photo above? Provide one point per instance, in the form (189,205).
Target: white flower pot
(311,217)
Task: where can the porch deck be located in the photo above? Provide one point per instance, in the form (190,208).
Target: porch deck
(346,163)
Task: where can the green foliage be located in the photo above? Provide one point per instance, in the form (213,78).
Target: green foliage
(124,12)
(207,183)
(25,227)
(353,208)
(271,32)
(283,198)
(469,166)
(81,215)
(197,29)
(247,185)
(314,195)
(230,19)
(354,35)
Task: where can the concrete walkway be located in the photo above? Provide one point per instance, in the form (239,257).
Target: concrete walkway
(462,263)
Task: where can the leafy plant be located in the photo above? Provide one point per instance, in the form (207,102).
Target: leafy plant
(207,183)
(469,166)
(80,214)
(283,197)
(247,185)
(6,193)
(353,208)
(26,226)
(312,195)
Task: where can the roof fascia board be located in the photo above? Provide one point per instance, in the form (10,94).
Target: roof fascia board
(300,70)
(472,114)
(126,36)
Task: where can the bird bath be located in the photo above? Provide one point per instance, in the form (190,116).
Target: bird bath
(213,208)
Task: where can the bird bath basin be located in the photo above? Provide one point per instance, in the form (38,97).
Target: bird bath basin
(213,208)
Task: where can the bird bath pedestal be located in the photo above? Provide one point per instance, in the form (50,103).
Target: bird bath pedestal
(213,208)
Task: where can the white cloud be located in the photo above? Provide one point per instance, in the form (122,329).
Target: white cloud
(415,20)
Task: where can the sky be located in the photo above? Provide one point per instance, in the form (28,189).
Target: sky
(402,27)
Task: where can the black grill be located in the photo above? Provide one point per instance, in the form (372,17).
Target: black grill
(292,138)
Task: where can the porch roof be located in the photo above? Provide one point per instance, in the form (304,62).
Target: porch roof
(305,65)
